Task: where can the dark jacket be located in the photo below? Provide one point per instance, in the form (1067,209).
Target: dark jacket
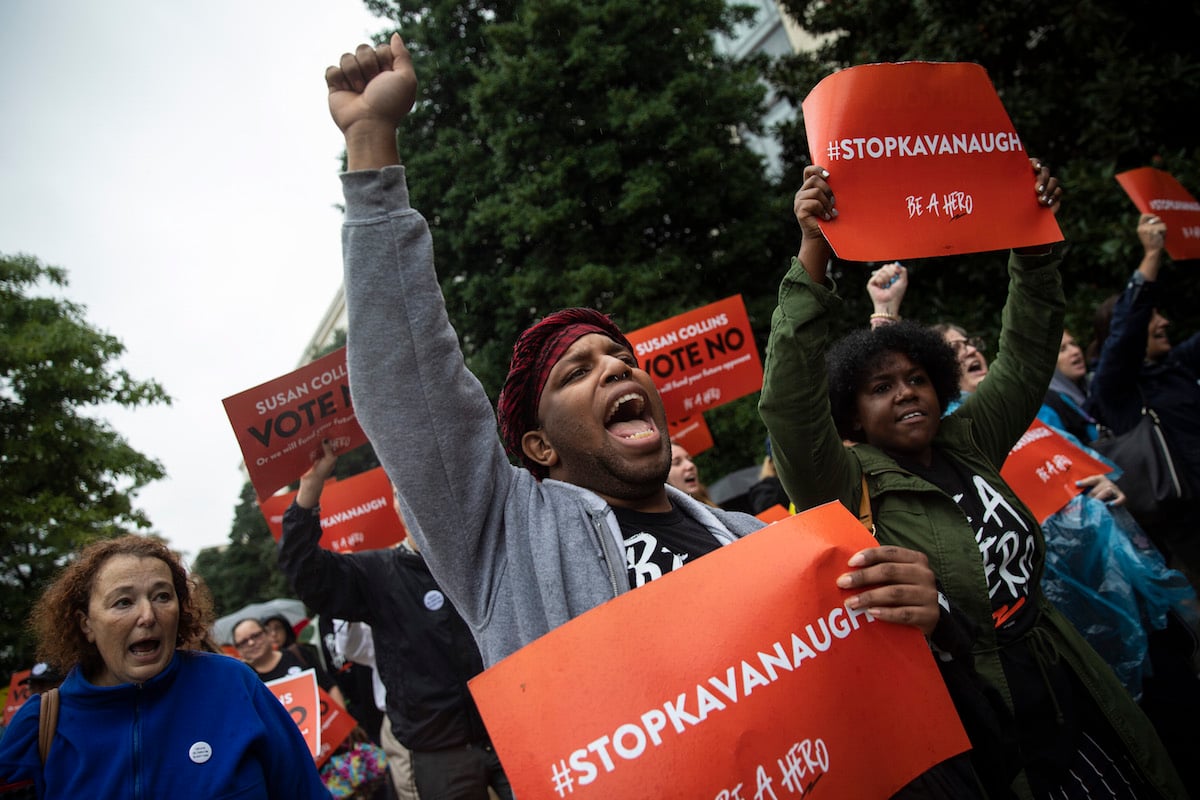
(1124,379)
(424,651)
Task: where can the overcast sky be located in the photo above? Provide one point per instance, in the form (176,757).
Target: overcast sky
(178,160)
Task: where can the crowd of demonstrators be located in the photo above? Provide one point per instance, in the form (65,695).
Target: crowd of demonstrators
(1137,367)
(934,485)
(600,502)
(140,713)
(521,549)
(1101,571)
(423,650)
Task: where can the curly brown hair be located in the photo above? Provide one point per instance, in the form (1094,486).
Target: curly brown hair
(55,617)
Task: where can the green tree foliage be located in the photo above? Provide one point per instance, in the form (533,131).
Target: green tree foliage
(586,153)
(1094,89)
(243,571)
(66,477)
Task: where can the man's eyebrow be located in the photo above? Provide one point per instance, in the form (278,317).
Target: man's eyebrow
(616,347)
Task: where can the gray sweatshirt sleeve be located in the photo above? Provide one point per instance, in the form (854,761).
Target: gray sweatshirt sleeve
(426,415)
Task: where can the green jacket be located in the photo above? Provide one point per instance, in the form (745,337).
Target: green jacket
(815,467)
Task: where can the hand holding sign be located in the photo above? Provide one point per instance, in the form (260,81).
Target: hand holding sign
(1175,213)
(901,587)
(313,480)
(1153,233)
(929,163)
(718,703)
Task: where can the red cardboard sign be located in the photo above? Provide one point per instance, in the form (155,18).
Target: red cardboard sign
(356,513)
(298,693)
(701,359)
(740,672)
(1156,192)
(280,424)
(1042,468)
(924,161)
(18,693)
(336,725)
(324,723)
(691,433)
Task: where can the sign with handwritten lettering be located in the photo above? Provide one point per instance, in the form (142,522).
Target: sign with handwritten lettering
(741,675)
(356,513)
(924,161)
(1042,468)
(701,359)
(280,424)
(1154,191)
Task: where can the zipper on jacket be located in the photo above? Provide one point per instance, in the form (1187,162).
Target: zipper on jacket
(137,743)
(598,527)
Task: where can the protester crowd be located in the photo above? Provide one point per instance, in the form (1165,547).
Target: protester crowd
(1075,676)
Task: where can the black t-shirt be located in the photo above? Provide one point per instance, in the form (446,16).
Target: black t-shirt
(657,543)
(291,663)
(1006,543)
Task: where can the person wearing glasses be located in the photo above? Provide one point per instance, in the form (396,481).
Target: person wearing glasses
(253,644)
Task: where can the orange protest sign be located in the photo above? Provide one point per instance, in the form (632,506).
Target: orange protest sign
(336,725)
(739,672)
(701,359)
(280,424)
(1042,468)
(356,513)
(298,693)
(1156,192)
(924,161)
(691,433)
(18,693)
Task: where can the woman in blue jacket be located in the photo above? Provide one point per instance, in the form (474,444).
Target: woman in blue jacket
(141,715)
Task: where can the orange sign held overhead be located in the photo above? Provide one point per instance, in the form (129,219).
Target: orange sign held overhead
(740,675)
(924,161)
(280,424)
(356,513)
(701,359)
(1156,192)
(1042,468)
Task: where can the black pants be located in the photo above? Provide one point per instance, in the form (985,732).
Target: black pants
(459,773)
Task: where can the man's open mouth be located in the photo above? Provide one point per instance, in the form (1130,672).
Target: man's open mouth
(625,418)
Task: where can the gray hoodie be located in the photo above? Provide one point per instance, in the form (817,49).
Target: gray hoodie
(517,557)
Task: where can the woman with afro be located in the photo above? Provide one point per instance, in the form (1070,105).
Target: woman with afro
(1046,716)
